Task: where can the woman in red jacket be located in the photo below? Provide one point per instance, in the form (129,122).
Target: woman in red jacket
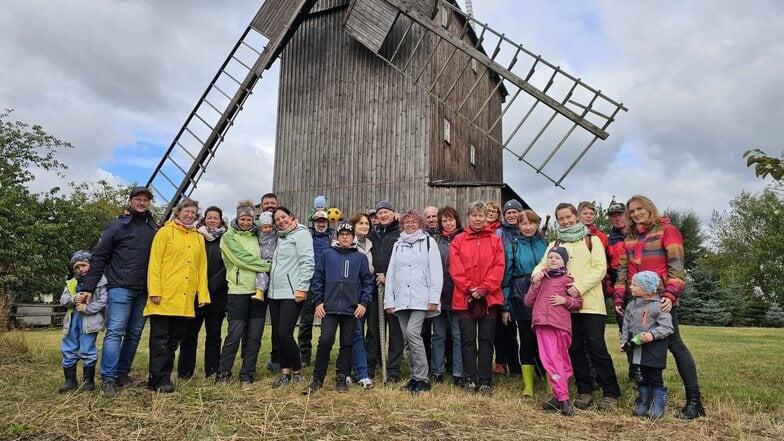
(476,264)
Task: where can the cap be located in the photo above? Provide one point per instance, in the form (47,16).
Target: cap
(512,204)
(616,207)
(371,212)
(319,214)
(385,205)
(80,256)
(346,226)
(138,190)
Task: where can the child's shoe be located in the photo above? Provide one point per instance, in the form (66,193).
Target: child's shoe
(88,372)
(259,296)
(566,408)
(70,380)
(551,404)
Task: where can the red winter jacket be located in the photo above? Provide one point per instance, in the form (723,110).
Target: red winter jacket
(476,260)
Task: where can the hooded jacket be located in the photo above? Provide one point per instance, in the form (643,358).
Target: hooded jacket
(414,276)
(615,248)
(94,313)
(342,280)
(645,315)
(122,253)
(292,264)
(507,233)
(177,272)
(588,267)
(521,256)
(545,314)
(476,259)
(240,251)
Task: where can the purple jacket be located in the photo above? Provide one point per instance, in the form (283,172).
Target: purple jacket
(557,316)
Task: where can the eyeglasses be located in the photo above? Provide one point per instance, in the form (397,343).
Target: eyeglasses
(141,200)
(492,210)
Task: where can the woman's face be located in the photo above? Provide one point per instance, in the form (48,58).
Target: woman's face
(565,217)
(527,228)
(187,215)
(411,224)
(362,227)
(283,220)
(212,219)
(587,216)
(491,216)
(639,215)
(448,223)
(477,219)
(245,221)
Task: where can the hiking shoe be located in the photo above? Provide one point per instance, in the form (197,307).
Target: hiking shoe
(222,377)
(486,390)
(246,384)
(125,380)
(420,386)
(340,383)
(470,387)
(366,383)
(392,380)
(566,408)
(165,389)
(283,379)
(312,387)
(410,385)
(273,366)
(608,404)
(438,379)
(109,389)
(458,381)
(583,401)
(296,378)
(551,404)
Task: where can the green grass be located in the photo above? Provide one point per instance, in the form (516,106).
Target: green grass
(740,373)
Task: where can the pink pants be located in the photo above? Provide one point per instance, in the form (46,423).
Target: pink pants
(554,351)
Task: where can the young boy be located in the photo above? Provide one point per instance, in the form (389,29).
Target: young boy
(342,286)
(645,331)
(268,241)
(84,318)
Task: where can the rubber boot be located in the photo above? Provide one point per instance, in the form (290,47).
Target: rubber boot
(88,372)
(70,380)
(693,407)
(658,403)
(528,380)
(548,387)
(643,400)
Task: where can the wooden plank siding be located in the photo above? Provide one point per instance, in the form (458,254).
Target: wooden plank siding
(352,128)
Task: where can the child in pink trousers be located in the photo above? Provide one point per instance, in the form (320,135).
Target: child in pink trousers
(552,323)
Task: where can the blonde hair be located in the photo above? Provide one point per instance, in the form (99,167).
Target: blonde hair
(477,206)
(185,203)
(647,204)
(586,204)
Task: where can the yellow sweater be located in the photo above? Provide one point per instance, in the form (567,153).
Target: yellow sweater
(588,269)
(177,271)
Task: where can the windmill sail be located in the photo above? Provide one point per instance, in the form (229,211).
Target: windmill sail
(214,114)
(552,114)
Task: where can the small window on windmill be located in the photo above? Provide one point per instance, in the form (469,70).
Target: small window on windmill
(474,65)
(472,155)
(447,132)
(445,18)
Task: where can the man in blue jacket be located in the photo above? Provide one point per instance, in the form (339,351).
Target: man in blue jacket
(122,255)
(342,286)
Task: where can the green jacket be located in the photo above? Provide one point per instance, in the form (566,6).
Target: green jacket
(242,257)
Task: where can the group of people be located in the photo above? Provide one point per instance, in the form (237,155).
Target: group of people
(449,296)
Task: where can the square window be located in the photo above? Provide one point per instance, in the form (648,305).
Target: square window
(472,155)
(447,132)
(445,18)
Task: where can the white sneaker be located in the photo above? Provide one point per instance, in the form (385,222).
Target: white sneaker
(366,383)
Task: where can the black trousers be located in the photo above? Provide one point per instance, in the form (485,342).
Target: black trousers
(329,325)
(687,368)
(529,347)
(476,338)
(651,376)
(284,315)
(246,325)
(213,322)
(373,341)
(588,335)
(305,333)
(166,332)
(506,349)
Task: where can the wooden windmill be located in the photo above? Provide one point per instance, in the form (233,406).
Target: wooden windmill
(391,99)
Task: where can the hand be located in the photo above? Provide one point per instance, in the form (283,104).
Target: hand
(80,307)
(432,307)
(87,297)
(646,337)
(555,300)
(320,311)
(299,296)
(390,311)
(359,312)
(380,279)
(505,318)
(622,348)
(666,304)
(156,299)
(537,277)
(572,291)
(201,305)
(619,310)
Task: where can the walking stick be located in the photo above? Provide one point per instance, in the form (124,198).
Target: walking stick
(382,335)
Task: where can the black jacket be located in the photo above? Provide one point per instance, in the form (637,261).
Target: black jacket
(123,253)
(216,277)
(383,240)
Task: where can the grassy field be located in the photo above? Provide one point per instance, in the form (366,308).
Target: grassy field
(741,373)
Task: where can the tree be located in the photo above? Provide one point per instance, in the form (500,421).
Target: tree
(712,313)
(688,223)
(765,165)
(775,316)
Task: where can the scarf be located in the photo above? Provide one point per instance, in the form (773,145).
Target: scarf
(211,234)
(186,226)
(556,272)
(571,234)
(284,233)
(413,237)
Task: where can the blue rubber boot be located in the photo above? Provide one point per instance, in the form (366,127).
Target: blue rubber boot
(659,402)
(643,400)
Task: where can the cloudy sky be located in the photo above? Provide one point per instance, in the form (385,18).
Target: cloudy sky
(701,79)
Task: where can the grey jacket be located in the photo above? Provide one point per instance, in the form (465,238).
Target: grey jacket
(94,312)
(645,315)
(292,264)
(414,276)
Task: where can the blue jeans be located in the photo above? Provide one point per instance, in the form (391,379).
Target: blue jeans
(438,341)
(124,326)
(358,355)
(77,345)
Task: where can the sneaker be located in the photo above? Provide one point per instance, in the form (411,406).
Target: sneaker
(165,389)
(283,379)
(340,384)
(438,379)
(410,385)
(222,377)
(608,404)
(421,386)
(312,387)
(273,366)
(246,384)
(124,380)
(583,401)
(296,378)
(470,387)
(566,408)
(486,390)
(109,389)
(551,404)
(366,383)
(458,381)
